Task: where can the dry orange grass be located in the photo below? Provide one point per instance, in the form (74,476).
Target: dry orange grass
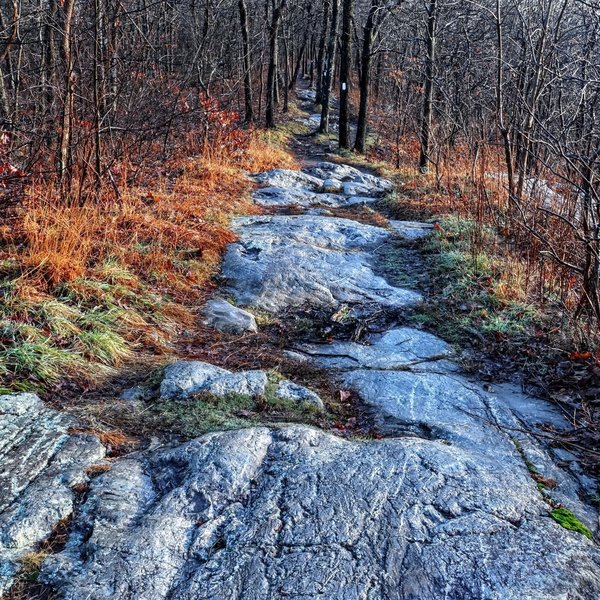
(173,233)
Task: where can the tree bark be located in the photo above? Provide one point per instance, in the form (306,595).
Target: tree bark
(345,63)
(329,68)
(248,100)
(272,71)
(64,166)
(369,33)
(321,52)
(424,158)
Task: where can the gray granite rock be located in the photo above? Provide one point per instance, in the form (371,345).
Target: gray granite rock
(297,513)
(224,316)
(307,95)
(285,197)
(395,349)
(332,186)
(444,508)
(292,392)
(283,262)
(186,378)
(411,230)
(40,463)
(286,178)
(370,184)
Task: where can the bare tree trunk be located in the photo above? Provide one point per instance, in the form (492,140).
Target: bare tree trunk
(98,93)
(272,72)
(424,158)
(301,52)
(248,101)
(321,52)
(500,101)
(64,166)
(369,33)
(329,67)
(345,63)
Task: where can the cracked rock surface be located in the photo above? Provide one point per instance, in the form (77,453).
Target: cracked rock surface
(297,513)
(40,462)
(324,184)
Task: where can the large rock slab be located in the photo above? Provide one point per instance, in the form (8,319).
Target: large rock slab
(287,178)
(297,513)
(326,184)
(399,348)
(291,262)
(369,184)
(503,424)
(279,197)
(40,463)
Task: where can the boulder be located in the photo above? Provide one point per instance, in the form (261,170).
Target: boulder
(41,462)
(224,316)
(186,378)
(292,392)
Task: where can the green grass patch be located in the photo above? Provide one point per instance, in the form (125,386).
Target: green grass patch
(284,132)
(205,413)
(565,518)
(475,294)
(83,331)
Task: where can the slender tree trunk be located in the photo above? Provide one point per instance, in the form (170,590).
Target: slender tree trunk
(286,74)
(248,100)
(500,101)
(68,103)
(98,92)
(424,158)
(301,52)
(321,52)
(272,72)
(365,79)
(345,63)
(329,67)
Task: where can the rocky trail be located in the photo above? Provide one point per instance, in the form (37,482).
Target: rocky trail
(460,497)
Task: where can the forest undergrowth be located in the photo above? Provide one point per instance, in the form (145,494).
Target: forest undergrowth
(88,288)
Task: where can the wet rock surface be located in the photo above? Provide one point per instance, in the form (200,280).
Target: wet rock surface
(40,464)
(444,507)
